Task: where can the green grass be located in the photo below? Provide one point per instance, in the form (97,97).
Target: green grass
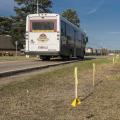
(15,58)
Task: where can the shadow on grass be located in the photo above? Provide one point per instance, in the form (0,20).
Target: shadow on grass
(63,60)
(91,93)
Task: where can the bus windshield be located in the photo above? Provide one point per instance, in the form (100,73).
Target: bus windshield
(43,25)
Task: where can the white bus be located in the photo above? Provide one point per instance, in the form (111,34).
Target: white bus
(50,35)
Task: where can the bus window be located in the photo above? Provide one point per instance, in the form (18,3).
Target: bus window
(63,29)
(72,34)
(68,34)
(42,25)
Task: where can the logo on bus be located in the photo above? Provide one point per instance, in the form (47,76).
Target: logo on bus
(42,38)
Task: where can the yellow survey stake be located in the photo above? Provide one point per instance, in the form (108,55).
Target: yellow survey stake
(113,60)
(76,76)
(76,102)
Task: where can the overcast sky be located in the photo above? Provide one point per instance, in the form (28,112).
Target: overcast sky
(99,18)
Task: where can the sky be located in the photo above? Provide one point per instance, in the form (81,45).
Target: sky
(99,18)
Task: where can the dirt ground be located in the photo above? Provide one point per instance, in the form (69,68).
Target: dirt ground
(50,97)
(104,103)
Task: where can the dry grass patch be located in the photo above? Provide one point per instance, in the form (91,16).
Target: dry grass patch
(48,96)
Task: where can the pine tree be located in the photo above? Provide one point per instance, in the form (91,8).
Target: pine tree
(5,25)
(71,15)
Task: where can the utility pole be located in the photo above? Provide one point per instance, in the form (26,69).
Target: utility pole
(16,43)
(37,8)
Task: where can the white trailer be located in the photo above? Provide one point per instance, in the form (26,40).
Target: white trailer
(50,35)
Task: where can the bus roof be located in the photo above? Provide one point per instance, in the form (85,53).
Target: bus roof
(43,14)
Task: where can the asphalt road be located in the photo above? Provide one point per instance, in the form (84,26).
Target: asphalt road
(17,65)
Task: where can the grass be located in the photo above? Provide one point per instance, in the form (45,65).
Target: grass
(15,58)
(105,101)
(43,96)
(35,79)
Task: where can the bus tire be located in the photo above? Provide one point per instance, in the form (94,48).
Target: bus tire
(45,58)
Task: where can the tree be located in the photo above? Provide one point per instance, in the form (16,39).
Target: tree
(24,8)
(30,7)
(71,15)
(5,25)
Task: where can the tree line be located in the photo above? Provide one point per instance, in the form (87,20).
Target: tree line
(15,25)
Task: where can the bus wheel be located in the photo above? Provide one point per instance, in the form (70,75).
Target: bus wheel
(81,57)
(66,58)
(45,58)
